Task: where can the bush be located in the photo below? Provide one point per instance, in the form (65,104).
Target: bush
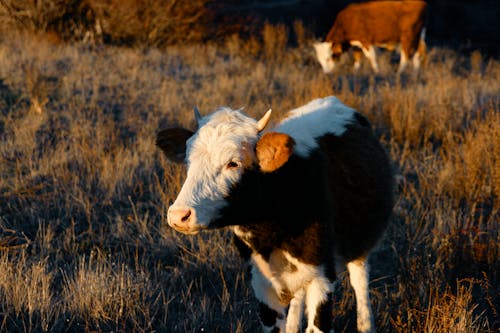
(128,22)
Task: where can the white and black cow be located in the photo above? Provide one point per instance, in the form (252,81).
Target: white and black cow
(384,24)
(304,201)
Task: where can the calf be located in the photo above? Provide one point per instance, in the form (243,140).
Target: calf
(304,200)
(379,23)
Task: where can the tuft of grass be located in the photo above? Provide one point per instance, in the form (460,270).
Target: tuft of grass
(25,293)
(100,290)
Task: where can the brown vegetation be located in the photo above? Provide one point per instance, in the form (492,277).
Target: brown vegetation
(130,22)
(84,243)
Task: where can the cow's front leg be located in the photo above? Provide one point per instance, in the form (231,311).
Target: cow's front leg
(271,311)
(295,309)
(319,302)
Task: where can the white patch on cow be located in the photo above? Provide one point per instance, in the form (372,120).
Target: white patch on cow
(280,277)
(359,276)
(295,280)
(272,278)
(356,43)
(265,293)
(402,61)
(263,266)
(224,136)
(324,56)
(313,120)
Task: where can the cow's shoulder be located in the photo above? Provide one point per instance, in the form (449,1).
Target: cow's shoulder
(315,119)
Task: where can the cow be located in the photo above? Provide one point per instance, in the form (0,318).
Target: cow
(304,201)
(383,24)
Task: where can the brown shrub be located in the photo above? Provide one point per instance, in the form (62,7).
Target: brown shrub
(148,22)
(151,22)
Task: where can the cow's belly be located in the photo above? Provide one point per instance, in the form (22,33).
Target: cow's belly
(287,274)
(387,46)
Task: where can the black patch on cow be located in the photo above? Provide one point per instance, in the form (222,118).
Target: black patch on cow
(361,188)
(323,317)
(330,273)
(277,219)
(335,202)
(243,249)
(361,120)
(267,315)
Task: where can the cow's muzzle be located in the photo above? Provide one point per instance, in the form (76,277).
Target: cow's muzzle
(183,219)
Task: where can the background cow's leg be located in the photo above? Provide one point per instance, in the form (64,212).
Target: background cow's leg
(294,317)
(371,54)
(359,276)
(403,60)
(410,46)
(416,61)
(357,54)
(271,312)
(319,301)
(421,53)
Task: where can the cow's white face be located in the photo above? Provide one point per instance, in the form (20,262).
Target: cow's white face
(217,156)
(324,55)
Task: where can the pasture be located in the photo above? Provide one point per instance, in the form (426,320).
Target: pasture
(84,241)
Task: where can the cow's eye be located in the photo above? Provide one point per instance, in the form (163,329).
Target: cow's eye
(232,165)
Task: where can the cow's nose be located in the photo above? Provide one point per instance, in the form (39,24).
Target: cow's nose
(179,216)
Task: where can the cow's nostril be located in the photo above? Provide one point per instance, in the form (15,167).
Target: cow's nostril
(178,216)
(186,216)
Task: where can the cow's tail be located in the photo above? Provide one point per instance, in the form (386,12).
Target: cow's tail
(422,47)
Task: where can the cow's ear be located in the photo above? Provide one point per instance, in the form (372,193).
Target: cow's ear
(173,143)
(273,150)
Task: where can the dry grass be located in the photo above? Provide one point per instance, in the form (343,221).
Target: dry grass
(84,191)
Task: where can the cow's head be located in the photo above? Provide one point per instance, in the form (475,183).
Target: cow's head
(327,54)
(226,145)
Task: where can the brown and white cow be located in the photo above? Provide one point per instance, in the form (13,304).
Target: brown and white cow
(304,200)
(385,24)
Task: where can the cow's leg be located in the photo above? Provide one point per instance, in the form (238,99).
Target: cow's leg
(271,311)
(419,56)
(371,54)
(416,61)
(294,317)
(319,301)
(410,45)
(359,276)
(403,60)
(357,54)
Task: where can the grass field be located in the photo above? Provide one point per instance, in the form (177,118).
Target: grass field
(84,243)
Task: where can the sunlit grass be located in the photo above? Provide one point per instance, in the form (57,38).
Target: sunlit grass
(84,191)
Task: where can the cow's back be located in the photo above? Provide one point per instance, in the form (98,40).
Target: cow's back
(378,21)
(361,185)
